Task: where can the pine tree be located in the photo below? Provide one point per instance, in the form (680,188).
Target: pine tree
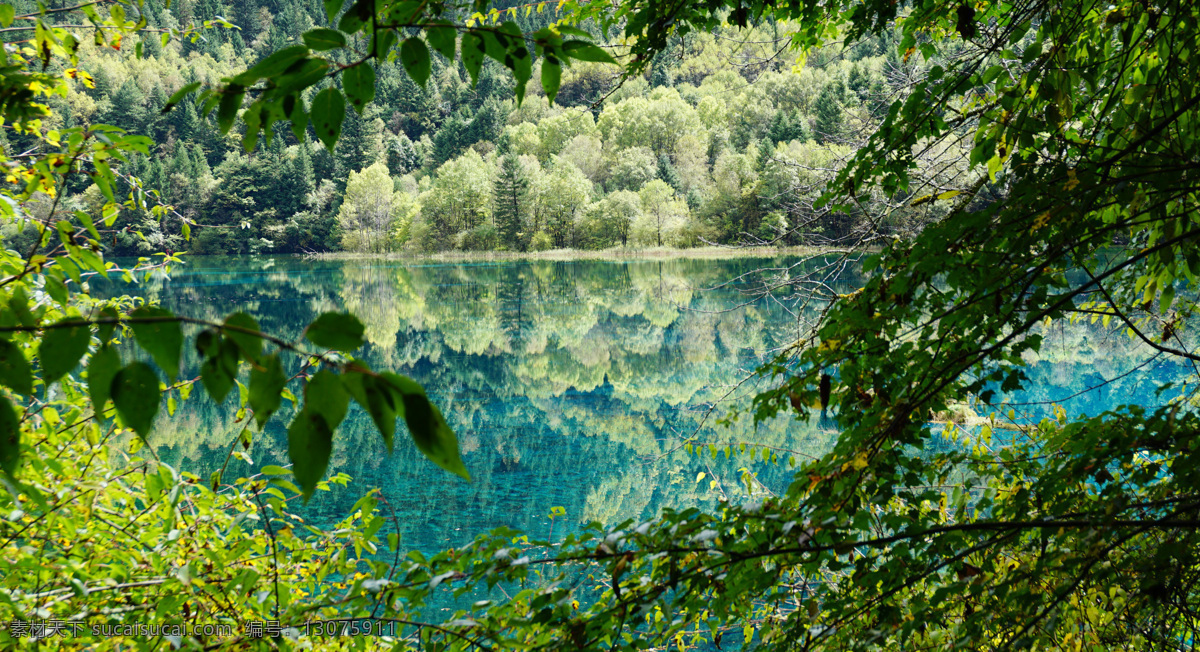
(361,142)
(181,163)
(239,44)
(488,122)
(450,140)
(509,197)
(766,150)
(200,168)
(829,123)
(127,108)
(185,120)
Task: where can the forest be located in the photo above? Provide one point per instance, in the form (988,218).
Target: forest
(723,140)
(963,415)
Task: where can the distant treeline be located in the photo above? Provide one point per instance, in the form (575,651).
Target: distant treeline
(723,141)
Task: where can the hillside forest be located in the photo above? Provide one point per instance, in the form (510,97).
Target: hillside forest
(728,138)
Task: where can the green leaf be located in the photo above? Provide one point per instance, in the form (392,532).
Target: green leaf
(339,331)
(472,55)
(136,396)
(178,96)
(356,16)
(380,399)
(382,43)
(231,101)
(7,14)
(273,65)
(102,368)
(163,340)
(551,77)
(332,7)
(327,112)
(15,372)
(251,345)
(218,372)
(18,303)
(442,38)
(300,77)
(61,348)
(427,426)
(359,83)
(322,39)
(266,388)
(584,51)
(310,441)
(297,116)
(10,437)
(415,58)
(326,396)
(86,221)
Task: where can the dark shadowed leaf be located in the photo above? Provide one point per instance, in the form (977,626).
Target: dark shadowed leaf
(61,349)
(15,372)
(442,38)
(101,370)
(266,387)
(322,39)
(327,112)
(135,395)
(415,57)
(273,65)
(336,330)
(332,7)
(251,345)
(359,84)
(428,428)
(178,95)
(551,77)
(356,16)
(10,437)
(380,399)
(105,330)
(310,440)
(163,340)
(472,55)
(231,101)
(325,395)
(584,51)
(217,373)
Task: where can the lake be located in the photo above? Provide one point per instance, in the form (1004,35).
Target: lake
(570,385)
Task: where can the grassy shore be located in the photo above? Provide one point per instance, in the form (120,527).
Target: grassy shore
(581,254)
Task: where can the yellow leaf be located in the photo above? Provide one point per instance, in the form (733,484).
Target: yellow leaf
(1072,180)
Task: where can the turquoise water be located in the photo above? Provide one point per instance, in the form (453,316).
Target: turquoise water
(569,384)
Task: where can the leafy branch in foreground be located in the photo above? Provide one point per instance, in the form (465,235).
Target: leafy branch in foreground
(134,388)
(45,292)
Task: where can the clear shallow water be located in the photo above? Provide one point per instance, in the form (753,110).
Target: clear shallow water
(569,384)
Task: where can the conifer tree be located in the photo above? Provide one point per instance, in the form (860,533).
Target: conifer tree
(829,123)
(510,197)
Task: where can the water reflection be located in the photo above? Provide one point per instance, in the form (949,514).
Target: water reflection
(569,384)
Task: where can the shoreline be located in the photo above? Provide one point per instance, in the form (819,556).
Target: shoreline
(580,254)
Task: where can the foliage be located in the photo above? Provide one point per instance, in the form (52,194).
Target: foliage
(459,200)
(372,210)
(511,202)
(1077,200)
(66,501)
